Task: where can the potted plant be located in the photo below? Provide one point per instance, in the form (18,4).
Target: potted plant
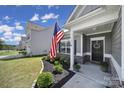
(77,67)
(104,66)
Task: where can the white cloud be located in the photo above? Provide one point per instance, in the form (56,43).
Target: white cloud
(49,16)
(35,17)
(2,38)
(44,21)
(6,18)
(6,28)
(7,35)
(18,26)
(18,34)
(23,35)
(51,6)
(17,23)
(17,38)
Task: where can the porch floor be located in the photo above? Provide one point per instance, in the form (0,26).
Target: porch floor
(90,76)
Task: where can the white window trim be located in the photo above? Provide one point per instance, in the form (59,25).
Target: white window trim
(65,52)
(94,39)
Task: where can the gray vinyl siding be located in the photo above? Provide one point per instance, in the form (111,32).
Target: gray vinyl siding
(78,45)
(89,8)
(116,40)
(107,42)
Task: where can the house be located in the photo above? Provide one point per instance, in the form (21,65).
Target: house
(22,44)
(94,34)
(38,39)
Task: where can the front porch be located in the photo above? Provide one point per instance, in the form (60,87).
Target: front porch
(90,76)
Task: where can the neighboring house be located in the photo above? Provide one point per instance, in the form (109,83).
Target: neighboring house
(95,35)
(38,39)
(22,43)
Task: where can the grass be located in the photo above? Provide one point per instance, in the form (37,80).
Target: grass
(19,72)
(8,52)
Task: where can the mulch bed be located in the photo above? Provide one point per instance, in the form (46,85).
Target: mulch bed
(60,83)
(60,79)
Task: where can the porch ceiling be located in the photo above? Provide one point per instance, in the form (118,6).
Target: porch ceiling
(97,29)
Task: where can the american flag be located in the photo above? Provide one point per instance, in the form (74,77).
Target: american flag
(57,36)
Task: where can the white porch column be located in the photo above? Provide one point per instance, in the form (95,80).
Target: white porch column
(122,44)
(81,44)
(71,49)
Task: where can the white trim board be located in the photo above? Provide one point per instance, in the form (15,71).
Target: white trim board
(102,32)
(117,67)
(122,45)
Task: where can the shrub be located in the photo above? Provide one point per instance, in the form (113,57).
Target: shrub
(65,61)
(57,58)
(56,63)
(43,58)
(45,79)
(48,58)
(77,66)
(104,66)
(58,69)
(23,52)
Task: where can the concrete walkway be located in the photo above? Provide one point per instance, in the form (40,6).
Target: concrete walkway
(11,57)
(79,81)
(90,76)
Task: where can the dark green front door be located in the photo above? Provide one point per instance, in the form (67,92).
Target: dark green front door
(97,50)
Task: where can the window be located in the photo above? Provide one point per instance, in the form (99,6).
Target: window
(65,46)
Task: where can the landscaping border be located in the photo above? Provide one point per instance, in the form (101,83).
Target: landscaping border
(42,67)
(64,80)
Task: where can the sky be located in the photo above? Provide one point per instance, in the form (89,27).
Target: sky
(13,19)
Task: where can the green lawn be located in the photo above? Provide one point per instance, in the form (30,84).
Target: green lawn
(19,72)
(8,52)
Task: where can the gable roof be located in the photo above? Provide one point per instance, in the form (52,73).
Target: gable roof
(81,10)
(34,27)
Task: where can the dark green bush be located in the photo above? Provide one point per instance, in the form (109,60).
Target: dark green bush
(65,61)
(56,63)
(48,58)
(77,67)
(45,79)
(104,66)
(57,58)
(23,52)
(43,58)
(58,69)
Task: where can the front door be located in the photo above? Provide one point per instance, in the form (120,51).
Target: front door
(97,50)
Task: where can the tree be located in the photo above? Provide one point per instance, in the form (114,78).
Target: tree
(1,44)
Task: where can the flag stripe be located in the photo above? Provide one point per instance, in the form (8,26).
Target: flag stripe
(60,38)
(58,35)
